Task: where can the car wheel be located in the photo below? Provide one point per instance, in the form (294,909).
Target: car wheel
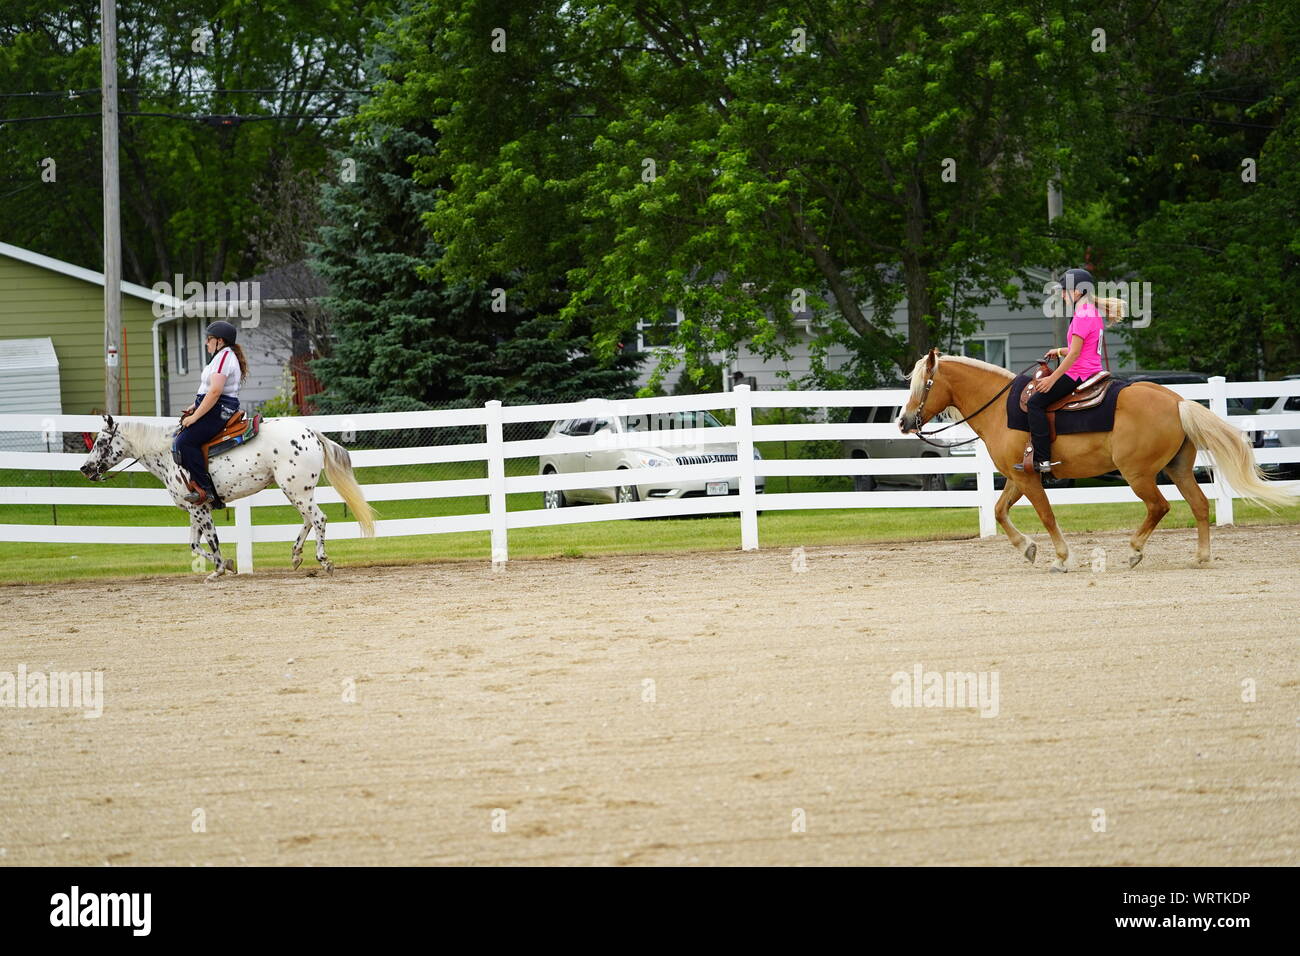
(627,494)
(933,482)
(553,499)
(863,482)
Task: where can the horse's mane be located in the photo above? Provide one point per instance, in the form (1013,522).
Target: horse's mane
(146,439)
(918,372)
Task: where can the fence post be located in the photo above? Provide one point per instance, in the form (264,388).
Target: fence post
(244,537)
(984,488)
(1219,405)
(745,459)
(496,470)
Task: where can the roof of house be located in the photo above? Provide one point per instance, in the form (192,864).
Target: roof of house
(297,280)
(86,275)
(27,353)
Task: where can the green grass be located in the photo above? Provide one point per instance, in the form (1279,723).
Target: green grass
(27,563)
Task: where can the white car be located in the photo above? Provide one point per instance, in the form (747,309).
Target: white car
(1286,437)
(658,450)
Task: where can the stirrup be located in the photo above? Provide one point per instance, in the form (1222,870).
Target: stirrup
(197,495)
(1042,467)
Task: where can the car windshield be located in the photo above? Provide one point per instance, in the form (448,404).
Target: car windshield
(664,421)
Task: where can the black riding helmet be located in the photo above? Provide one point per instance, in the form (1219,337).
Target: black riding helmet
(1080,279)
(223,330)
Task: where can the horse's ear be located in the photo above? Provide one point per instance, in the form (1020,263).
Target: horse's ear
(108,422)
(932,361)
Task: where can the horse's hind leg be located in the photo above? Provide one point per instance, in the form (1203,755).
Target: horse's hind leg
(1182,471)
(1002,511)
(312,517)
(1144,486)
(1033,490)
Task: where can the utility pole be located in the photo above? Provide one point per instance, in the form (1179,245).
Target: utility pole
(1055,206)
(112,212)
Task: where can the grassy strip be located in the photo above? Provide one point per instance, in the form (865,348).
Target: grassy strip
(30,563)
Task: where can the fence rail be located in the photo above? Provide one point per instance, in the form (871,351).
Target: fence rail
(494,451)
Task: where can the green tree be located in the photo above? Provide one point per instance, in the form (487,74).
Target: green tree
(187,186)
(623,158)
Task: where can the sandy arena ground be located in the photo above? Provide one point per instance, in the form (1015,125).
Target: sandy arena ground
(670,710)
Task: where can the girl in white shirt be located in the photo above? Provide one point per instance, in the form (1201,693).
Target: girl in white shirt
(215,402)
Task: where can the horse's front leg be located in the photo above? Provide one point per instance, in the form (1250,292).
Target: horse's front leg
(196,548)
(205,529)
(1032,488)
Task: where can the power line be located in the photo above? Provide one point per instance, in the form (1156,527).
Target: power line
(73,94)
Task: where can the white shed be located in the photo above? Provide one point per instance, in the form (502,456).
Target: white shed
(29,385)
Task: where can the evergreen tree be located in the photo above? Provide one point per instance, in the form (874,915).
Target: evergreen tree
(406,340)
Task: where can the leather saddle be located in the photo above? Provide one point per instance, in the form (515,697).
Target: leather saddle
(1090,393)
(237,430)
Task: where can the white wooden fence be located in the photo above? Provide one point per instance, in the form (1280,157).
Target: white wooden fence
(496,486)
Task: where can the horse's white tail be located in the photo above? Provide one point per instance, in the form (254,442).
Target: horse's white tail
(1232,455)
(338,469)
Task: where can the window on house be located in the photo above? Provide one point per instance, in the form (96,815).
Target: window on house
(658,333)
(993,350)
(182,346)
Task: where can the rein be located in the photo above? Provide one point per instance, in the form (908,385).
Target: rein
(113,474)
(957,444)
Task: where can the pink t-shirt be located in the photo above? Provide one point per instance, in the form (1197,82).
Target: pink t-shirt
(1088,325)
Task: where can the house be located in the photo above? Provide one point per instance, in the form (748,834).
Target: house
(45,298)
(275,338)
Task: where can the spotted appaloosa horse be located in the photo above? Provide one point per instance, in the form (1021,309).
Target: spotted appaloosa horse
(284,450)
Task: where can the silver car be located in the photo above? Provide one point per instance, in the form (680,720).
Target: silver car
(658,450)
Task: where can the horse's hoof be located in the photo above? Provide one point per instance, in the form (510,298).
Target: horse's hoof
(1031,552)
(1134,558)
(297,562)
(1060,567)
(328,566)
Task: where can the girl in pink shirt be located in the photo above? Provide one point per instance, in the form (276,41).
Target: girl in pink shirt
(1079,361)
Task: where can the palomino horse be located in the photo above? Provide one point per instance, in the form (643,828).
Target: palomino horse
(285,451)
(1155,429)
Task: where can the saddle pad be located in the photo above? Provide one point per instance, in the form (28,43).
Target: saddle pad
(1099,419)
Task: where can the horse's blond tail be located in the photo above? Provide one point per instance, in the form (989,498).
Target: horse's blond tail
(338,469)
(1232,456)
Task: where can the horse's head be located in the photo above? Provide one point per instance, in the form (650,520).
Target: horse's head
(930,394)
(108,450)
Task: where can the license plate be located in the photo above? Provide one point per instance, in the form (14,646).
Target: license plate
(717,488)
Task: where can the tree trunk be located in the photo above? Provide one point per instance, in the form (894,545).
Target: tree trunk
(916,273)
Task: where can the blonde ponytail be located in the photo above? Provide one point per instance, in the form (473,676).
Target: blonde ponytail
(1113,310)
